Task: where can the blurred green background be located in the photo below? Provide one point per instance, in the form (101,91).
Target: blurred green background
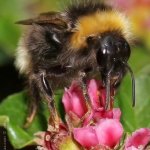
(12,11)
(138,12)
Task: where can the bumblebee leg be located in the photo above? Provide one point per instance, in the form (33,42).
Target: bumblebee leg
(33,103)
(83,81)
(48,93)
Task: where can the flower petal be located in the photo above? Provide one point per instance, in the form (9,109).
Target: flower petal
(109,132)
(93,91)
(139,138)
(116,113)
(73,100)
(132,148)
(66,99)
(78,104)
(86,136)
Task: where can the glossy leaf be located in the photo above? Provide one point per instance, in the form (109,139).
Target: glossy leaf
(13,112)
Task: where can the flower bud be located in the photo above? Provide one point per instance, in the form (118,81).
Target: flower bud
(139,139)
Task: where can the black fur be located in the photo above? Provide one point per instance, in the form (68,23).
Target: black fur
(85,7)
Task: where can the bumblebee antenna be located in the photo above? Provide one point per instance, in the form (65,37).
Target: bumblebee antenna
(133,82)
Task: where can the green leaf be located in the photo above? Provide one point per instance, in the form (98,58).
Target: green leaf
(19,138)
(13,113)
(139,116)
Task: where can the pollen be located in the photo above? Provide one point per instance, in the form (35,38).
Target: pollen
(98,23)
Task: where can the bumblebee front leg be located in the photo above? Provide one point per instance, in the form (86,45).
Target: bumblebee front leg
(48,94)
(83,81)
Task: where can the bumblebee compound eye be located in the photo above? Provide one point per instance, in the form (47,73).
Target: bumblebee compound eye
(122,50)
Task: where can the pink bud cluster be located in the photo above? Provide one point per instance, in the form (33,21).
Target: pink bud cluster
(100,126)
(94,127)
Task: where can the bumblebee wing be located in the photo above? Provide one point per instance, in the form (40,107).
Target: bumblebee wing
(54,18)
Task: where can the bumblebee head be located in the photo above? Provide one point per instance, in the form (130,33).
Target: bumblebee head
(112,56)
(108,34)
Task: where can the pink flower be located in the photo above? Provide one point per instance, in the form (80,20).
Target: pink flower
(101,127)
(107,132)
(97,129)
(139,139)
(73,100)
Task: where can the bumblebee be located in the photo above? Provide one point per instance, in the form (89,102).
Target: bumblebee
(58,47)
